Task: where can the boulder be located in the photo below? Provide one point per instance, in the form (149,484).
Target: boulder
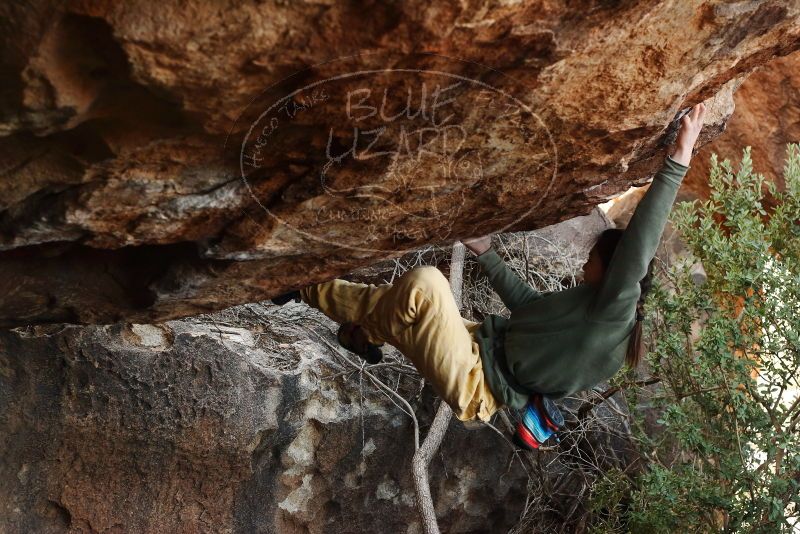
(240,422)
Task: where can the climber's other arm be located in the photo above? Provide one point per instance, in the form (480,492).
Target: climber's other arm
(511,289)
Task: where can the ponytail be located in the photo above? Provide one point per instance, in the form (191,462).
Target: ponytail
(636,344)
(605,247)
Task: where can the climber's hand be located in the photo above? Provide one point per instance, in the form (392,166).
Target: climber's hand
(478,245)
(691,123)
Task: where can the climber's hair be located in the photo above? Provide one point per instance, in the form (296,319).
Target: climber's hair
(605,247)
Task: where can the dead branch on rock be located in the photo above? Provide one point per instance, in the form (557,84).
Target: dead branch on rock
(423,455)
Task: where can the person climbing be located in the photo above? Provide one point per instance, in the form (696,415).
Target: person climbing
(552,345)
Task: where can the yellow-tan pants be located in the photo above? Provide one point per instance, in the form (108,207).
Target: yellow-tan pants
(418,315)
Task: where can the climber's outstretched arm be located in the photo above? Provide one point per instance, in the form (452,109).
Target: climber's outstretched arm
(511,289)
(639,242)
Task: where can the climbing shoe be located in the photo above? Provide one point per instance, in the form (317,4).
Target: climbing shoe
(540,419)
(351,337)
(280,300)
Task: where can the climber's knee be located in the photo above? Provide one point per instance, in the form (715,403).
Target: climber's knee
(427,274)
(428,279)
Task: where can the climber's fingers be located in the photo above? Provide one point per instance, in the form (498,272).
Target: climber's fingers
(699,112)
(691,124)
(695,116)
(478,245)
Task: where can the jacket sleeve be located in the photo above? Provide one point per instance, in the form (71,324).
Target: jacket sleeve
(511,289)
(638,245)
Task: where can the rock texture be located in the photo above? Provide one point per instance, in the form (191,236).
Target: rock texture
(767,118)
(166,160)
(247,421)
(199,426)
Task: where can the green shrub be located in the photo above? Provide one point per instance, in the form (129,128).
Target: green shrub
(726,453)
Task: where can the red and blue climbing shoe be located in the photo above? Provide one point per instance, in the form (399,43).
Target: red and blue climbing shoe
(552,415)
(524,439)
(540,419)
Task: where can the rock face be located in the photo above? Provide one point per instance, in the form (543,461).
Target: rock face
(198,426)
(248,421)
(767,118)
(162,162)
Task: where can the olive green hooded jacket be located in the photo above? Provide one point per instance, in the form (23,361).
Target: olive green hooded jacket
(568,341)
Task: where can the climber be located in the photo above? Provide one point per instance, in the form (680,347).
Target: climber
(552,344)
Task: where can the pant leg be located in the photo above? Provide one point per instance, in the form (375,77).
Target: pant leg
(345,301)
(487,402)
(418,315)
(383,311)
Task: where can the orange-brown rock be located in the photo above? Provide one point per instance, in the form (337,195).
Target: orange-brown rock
(767,118)
(162,160)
